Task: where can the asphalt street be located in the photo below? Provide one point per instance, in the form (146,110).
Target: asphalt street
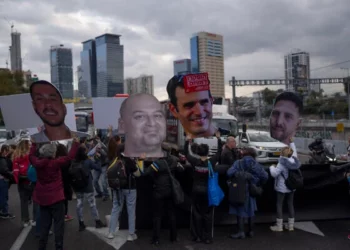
(335,235)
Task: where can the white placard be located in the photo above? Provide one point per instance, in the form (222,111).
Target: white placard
(106,111)
(18,113)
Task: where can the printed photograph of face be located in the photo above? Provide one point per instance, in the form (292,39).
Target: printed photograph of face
(48,104)
(193,109)
(143,122)
(285,117)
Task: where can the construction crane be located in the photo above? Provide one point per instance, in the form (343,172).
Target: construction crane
(11,24)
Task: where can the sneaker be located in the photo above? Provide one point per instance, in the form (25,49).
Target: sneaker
(110,236)
(68,218)
(106,198)
(132,237)
(26,224)
(33,223)
(7,216)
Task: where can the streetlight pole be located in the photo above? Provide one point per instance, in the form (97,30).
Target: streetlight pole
(348,80)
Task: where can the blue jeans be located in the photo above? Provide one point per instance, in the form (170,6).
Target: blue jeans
(130,196)
(4,196)
(96,176)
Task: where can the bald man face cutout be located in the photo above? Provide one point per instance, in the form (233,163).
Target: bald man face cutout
(142,120)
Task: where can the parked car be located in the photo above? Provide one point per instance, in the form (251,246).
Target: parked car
(267,148)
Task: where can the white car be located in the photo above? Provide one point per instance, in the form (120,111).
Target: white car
(3,136)
(268,150)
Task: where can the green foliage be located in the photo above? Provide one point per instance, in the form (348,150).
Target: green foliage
(269,96)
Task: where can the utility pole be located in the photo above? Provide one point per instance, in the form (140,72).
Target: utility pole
(232,83)
(348,80)
(259,110)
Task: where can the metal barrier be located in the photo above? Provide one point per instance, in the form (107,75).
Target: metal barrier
(303,143)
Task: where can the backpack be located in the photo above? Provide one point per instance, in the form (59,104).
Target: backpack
(237,187)
(116,175)
(79,178)
(295,179)
(31,174)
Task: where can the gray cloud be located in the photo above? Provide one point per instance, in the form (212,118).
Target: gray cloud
(257,34)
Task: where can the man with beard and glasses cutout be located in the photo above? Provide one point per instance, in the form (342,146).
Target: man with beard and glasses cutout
(48,105)
(191,102)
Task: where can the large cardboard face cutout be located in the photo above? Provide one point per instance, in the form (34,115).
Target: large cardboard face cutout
(191,103)
(142,121)
(42,113)
(285,117)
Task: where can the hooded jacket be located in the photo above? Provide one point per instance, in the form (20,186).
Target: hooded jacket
(280,172)
(20,169)
(49,186)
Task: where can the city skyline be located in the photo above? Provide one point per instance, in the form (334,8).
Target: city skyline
(255,44)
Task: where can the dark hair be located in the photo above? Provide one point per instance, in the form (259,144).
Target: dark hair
(4,148)
(292,97)
(194,148)
(112,148)
(174,82)
(81,154)
(61,150)
(203,150)
(249,152)
(120,150)
(43,83)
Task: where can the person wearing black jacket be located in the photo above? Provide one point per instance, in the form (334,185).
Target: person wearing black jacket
(5,177)
(160,171)
(127,193)
(229,153)
(202,214)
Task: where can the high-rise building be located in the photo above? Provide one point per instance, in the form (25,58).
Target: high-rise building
(83,87)
(28,79)
(297,67)
(15,52)
(182,66)
(110,65)
(207,55)
(89,69)
(62,70)
(141,84)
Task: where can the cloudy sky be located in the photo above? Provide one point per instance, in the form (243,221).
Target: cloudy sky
(257,34)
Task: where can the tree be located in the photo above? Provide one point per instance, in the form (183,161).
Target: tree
(11,84)
(269,96)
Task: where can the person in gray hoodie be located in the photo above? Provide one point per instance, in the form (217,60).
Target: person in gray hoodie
(287,161)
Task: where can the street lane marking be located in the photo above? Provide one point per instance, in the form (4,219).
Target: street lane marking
(117,242)
(308,226)
(21,238)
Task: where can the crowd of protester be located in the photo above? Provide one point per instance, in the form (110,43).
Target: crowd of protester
(57,167)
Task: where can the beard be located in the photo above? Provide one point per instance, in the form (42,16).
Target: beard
(52,124)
